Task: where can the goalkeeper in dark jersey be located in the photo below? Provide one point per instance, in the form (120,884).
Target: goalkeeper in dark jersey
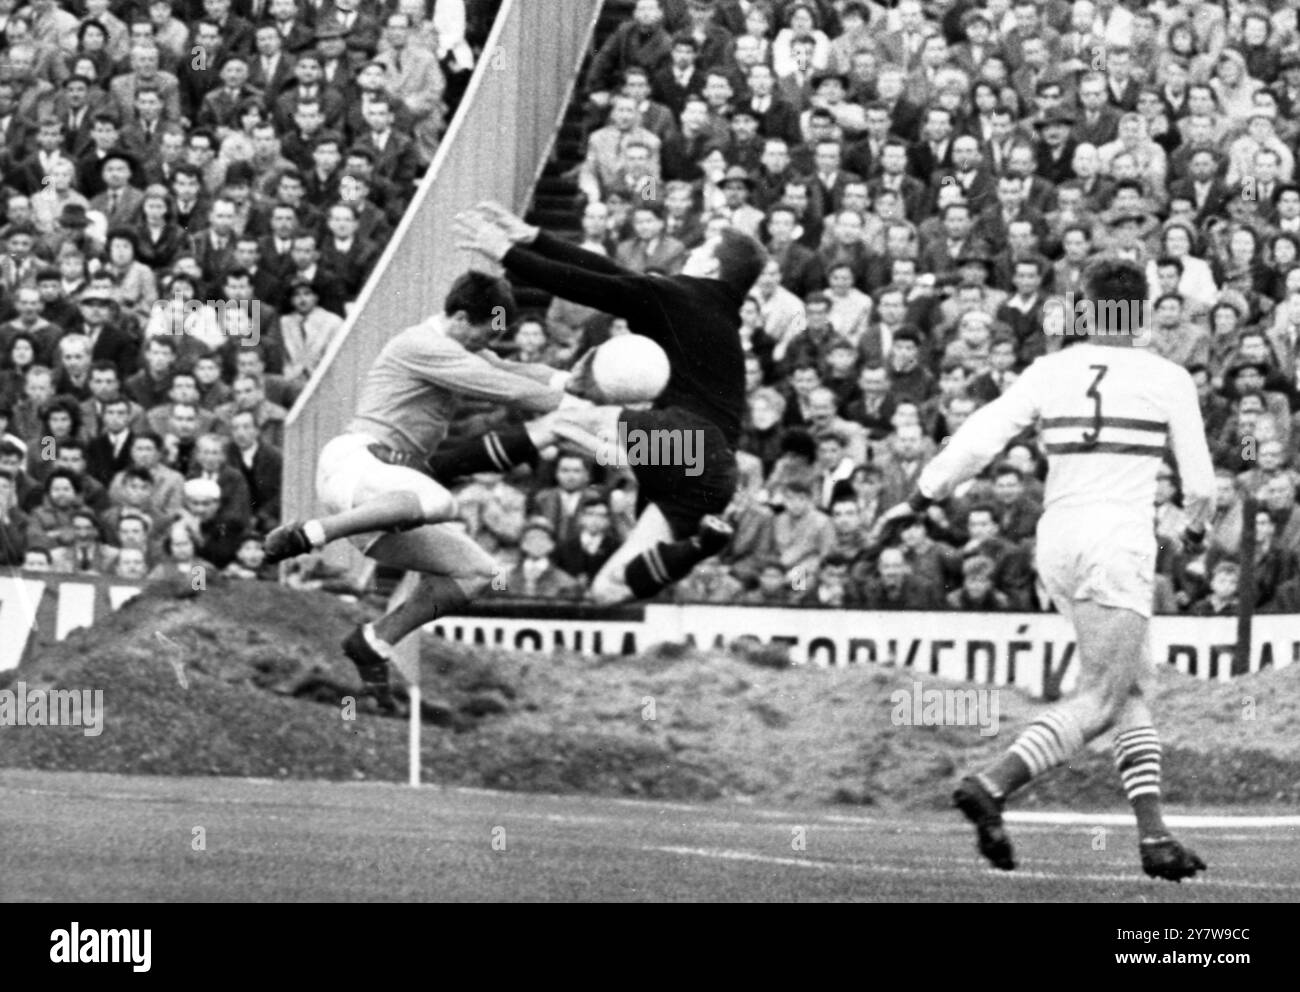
(695,318)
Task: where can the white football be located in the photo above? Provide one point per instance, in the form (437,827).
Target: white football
(630,368)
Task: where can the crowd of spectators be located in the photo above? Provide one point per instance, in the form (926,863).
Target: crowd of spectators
(192,194)
(929,178)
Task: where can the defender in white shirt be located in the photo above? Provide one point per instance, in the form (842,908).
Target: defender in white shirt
(1108,413)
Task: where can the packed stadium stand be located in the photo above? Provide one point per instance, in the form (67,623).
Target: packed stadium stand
(930,179)
(193,195)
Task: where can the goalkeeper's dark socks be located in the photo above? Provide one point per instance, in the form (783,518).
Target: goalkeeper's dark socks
(1137,758)
(714,535)
(1150,819)
(495,451)
(668,562)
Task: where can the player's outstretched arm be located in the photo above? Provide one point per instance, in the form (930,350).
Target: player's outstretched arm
(525,235)
(1192,455)
(545,374)
(450,366)
(559,250)
(478,379)
(624,294)
(980,439)
(578,382)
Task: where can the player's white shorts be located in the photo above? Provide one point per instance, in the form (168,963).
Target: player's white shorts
(348,475)
(1107,562)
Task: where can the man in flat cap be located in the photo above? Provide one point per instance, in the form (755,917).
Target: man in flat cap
(1056,150)
(358,29)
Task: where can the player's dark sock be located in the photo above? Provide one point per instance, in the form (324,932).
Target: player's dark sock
(668,562)
(432,599)
(1137,758)
(495,451)
(372,665)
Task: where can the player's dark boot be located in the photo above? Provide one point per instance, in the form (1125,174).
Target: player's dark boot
(979,806)
(285,542)
(1165,857)
(656,568)
(714,535)
(372,667)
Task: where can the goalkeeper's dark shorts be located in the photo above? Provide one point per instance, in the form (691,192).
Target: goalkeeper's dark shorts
(682,462)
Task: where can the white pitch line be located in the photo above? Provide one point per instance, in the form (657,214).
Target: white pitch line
(1021,876)
(674,807)
(469,790)
(1126,819)
(1202,821)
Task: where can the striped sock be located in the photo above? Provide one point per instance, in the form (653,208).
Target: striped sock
(495,447)
(1047,742)
(667,562)
(1137,758)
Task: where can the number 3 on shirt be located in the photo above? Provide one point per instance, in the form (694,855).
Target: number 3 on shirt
(1090,437)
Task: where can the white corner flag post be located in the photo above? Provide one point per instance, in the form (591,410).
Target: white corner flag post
(406,660)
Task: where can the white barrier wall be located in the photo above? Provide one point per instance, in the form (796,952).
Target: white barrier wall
(40,607)
(1029,650)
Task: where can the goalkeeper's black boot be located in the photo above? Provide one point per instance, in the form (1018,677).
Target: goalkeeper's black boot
(372,667)
(714,535)
(1164,857)
(985,812)
(285,542)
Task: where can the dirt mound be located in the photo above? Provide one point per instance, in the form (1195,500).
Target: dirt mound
(247,680)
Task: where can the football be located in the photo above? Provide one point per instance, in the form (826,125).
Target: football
(630,368)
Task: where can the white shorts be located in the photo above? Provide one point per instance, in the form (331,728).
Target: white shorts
(1110,565)
(348,475)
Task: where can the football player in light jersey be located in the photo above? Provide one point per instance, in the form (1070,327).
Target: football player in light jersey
(398,515)
(1108,412)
